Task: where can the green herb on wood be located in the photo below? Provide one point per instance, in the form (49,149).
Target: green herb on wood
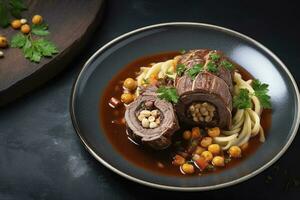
(34,50)
(40,29)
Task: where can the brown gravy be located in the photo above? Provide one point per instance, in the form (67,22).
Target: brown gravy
(149,159)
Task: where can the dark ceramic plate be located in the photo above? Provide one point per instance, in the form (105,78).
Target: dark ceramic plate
(256,58)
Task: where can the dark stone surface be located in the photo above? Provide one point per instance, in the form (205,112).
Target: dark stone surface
(41,157)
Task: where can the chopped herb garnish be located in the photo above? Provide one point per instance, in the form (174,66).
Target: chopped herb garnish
(182,51)
(168,93)
(227,160)
(40,29)
(212,67)
(194,71)
(34,50)
(214,57)
(10,7)
(242,100)
(145,81)
(228,65)
(260,91)
(210,168)
(180,68)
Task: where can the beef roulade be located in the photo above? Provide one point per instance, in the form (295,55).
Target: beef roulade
(205,100)
(151,120)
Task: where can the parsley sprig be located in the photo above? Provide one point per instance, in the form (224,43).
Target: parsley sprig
(261,92)
(243,99)
(40,29)
(168,93)
(195,70)
(33,49)
(214,57)
(180,68)
(10,8)
(228,65)
(212,67)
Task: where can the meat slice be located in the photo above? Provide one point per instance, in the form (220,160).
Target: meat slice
(205,101)
(201,56)
(157,137)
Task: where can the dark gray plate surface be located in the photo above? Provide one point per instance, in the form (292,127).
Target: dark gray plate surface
(257,59)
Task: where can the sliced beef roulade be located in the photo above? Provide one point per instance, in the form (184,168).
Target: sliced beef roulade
(205,100)
(202,57)
(150,120)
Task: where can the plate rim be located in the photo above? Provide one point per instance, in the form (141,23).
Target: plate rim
(176,188)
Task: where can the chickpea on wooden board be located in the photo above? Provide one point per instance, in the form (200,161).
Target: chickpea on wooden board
(16,24)
(37,19)
(3,42)
(25,29)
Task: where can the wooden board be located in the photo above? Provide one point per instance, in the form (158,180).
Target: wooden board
(71,23)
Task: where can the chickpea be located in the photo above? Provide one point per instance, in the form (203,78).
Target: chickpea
(23,21)
(37,19)
(127,98)
(130,84)
(196,132)
(207,155)
(199,150)
(25,28)
(16,24)
(187,168)
(214,132)
(3,42)
(244,146)
(206,141)
(214,149)
(218,161)
(187,135)
(178,160)
(235,152)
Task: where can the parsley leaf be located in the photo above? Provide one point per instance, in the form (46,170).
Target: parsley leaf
(261,92)
(182,51)
(180,68)
(212,67)
(18,41)
(40,29)
(45,47)
(242,100)
(168,93)
(228,65)
(34,50)
(214,56)
(194,71)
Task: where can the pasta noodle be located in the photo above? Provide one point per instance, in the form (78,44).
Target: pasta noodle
(246,122)
(159,70)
